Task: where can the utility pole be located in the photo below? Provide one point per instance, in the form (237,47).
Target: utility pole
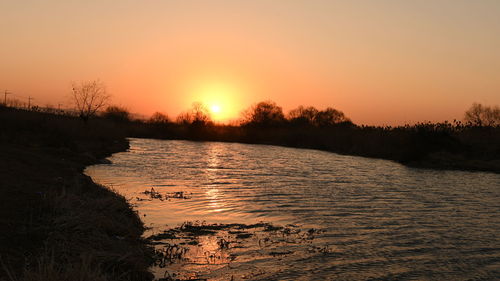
(5,97)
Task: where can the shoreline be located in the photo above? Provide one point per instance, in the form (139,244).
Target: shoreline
(441,146)
(439,161)
(62,225)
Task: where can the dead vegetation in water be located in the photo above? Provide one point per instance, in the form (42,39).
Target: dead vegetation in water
(178,195)
(168,277)
(317,249)
(243,235)
(173,277)
(203,244)
(153,194)
(275,234)
(204,226)
(166,234)
(169,254)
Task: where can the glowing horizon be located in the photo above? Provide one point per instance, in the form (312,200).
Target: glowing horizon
(380,62)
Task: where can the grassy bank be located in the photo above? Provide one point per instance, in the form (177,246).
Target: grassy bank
(56,223)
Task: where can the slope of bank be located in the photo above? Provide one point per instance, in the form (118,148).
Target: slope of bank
(56,224)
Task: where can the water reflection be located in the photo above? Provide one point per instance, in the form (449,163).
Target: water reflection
(214,196)
(371,218)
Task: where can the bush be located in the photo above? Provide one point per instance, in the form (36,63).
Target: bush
(116,113)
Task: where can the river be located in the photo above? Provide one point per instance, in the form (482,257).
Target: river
(260,212)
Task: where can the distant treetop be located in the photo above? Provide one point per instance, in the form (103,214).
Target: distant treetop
(480,115)
(89,97)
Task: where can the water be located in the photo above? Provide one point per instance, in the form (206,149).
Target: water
(344,217)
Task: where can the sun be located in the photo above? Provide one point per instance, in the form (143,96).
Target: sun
(220,98)
(215,109)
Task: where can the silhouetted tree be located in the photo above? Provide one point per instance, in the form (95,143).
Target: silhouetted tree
(479,115)
(329,117)
(200,115)
(302,115)
(89,97)
(116,113)
(264,114)
(184,118)
(159,118)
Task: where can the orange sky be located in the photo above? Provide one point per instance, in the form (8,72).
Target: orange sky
(381,62)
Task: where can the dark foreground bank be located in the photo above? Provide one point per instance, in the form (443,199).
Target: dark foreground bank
(55,223)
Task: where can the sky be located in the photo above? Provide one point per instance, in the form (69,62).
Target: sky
(381,62)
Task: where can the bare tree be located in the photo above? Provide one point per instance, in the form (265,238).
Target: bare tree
(200,114)
(492,116)
(303,115)
(480,115)
(184,118)
(159,118)
(89,97)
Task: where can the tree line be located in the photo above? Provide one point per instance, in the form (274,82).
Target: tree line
(469,144)
(91,99)
(267,114)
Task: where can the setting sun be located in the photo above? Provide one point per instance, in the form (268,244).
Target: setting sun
(220,98)
(215,109)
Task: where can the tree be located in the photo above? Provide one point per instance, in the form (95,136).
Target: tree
(479,115)
(198,115)
(158,118)
(329,117)
(184,118)
(264,114)
(303,115)
(89,97)
(116,113)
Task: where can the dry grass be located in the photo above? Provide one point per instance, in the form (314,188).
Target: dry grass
(92,235)
(56,223)
(47,268)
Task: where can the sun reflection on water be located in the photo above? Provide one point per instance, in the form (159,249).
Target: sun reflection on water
(341,216)
(214,195)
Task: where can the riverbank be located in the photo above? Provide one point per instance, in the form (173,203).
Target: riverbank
(56,223)
(441,146)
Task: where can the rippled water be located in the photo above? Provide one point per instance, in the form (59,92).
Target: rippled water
(371,219)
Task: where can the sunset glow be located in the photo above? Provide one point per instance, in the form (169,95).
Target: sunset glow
(380,62)
(250,139)
(219,97)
